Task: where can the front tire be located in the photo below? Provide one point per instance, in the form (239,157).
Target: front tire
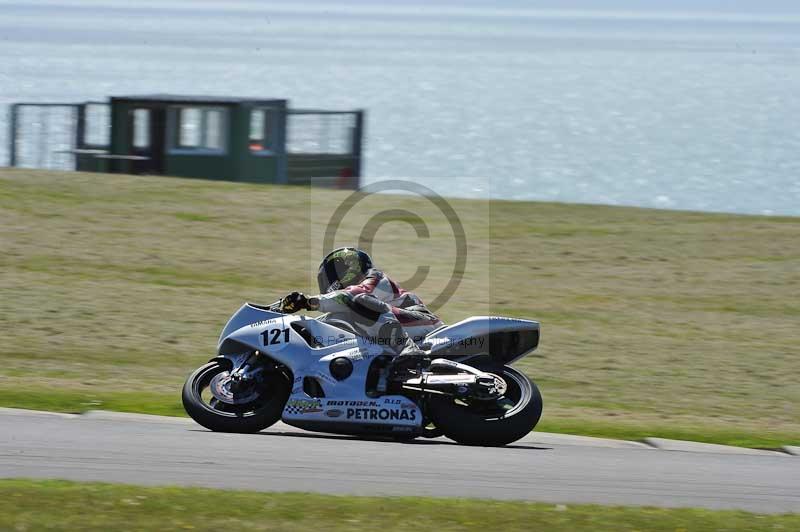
(264,410)
(491,423)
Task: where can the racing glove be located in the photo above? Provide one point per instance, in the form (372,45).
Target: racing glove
(298,301)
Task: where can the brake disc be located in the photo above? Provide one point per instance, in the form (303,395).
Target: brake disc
(491,391)
(500,385)
(222,387)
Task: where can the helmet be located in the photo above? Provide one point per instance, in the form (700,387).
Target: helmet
(341,268)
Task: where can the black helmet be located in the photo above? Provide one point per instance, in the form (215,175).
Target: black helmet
(341,268)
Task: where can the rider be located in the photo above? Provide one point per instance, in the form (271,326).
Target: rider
(353,290)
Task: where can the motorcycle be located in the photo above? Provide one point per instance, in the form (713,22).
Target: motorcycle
(318,374)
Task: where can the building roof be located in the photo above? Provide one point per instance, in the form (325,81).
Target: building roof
(183,98)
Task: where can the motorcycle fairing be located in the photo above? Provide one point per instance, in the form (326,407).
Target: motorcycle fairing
(346,401)
(503,339)
(289,338)
(284,337)
(246,315)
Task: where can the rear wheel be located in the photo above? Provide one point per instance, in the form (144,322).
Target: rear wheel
(492,422)
(212,399)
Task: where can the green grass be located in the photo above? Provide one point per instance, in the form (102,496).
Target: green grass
(193,217)
(655,323)
(59,505)
(73,401)
(640,429)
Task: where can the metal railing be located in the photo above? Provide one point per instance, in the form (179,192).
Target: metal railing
(47,135)
(324,147)
(312,131)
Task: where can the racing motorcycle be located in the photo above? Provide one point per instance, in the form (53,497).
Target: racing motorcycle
(318,374)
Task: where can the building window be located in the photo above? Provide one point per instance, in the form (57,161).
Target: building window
(323,133)
(98,125)
(212,129)
(263,129)
(141,128)
(189,126)
(198,129)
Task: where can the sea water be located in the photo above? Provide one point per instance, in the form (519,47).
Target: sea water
(630,104)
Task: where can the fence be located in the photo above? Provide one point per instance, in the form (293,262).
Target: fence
(324,147)
(48,135)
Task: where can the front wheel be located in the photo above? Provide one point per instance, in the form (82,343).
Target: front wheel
(494,422)
(215,402)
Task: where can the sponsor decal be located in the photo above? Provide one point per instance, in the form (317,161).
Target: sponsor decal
(264,322)
(381,414)
(354,355)
(373,404)
(297,387)
(327,378)
(303,406)
(303,403)
(402,403)
(333,412)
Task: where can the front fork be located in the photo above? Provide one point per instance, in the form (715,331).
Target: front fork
(245,367)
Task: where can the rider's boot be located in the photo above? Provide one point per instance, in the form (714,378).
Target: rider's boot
(407,361)
(390,335)
(409,358)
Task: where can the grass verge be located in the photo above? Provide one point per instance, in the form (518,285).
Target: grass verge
(59,505)
(170,405)
(77,402)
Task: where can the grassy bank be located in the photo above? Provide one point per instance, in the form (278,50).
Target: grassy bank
(57,505)
(112,288)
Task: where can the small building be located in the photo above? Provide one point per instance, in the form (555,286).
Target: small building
(235,139)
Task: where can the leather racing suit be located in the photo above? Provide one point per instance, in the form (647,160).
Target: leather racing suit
(376,305)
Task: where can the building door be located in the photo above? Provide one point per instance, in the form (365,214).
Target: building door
(147,134)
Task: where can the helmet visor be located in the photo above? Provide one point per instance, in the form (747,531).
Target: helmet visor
(339,272)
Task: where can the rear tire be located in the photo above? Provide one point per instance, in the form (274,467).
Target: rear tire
(246,418)
(487,424)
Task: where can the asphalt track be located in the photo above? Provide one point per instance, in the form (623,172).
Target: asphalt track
(159,451)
